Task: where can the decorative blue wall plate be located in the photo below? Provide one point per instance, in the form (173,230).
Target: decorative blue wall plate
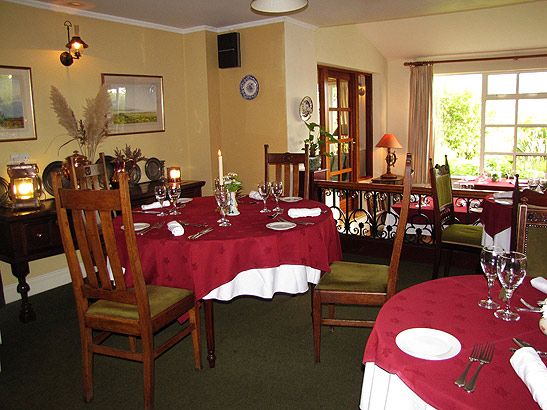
(248,87)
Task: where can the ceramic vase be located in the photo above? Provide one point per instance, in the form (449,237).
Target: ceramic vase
(233,204)
(543,325)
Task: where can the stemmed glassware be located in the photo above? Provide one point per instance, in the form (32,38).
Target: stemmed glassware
(489,263)
(277,191)
(174,195)
(161,193)
(511,272)
(264,189)
(222,195)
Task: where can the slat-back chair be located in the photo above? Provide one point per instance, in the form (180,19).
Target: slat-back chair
(531,198)
(532,237)
(449,234)
(89,176)
(350,283)
(104,303)
(287,167)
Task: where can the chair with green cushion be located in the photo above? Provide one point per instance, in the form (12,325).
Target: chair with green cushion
(104,303)
(350,283)
(532,237)
(449,233)
(526,196)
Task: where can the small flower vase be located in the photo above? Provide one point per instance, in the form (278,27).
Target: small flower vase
(233,204)
(543,325)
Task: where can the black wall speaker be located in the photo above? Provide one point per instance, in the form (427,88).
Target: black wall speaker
(228,50)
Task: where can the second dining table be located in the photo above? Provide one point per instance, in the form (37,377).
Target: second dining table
(246,258)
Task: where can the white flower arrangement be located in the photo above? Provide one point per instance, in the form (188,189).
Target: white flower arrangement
(544,310)
(232,182)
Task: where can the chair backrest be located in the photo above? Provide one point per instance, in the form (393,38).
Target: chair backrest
(401,229)
(441,191)
(287,167)
(93,231)
(532,237)
(89,176)
(527,196)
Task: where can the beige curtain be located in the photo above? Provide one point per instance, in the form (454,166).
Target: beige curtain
(420,120)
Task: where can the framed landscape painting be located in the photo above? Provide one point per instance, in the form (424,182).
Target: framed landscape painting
(137,103)
(16,104)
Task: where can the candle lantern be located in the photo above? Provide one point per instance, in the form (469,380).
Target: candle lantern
(25,185)
(173,175)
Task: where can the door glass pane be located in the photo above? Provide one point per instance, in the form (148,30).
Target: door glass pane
(532,140)
(334,160)
(343,94)
(533,82)
(500,111)
(345,148)
(333,123)
(502,83)
(498,139)
(533,111)
(530,167)
(499,164)
(332,97)
(343,130)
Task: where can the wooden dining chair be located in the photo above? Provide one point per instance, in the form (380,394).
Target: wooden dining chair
(529,197)
(532,237)
(450,234)
(287,166)
(89,176)
(104,303)
(366,284)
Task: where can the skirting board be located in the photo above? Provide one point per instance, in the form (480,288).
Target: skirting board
(38,284)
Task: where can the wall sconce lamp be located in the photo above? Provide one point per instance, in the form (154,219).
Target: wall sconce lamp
(361,89)
(75,45)
(174,175)
(25,185)
(389,141)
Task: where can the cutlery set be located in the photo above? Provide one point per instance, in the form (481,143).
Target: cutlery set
(482,354)
(200,233)
(157,225)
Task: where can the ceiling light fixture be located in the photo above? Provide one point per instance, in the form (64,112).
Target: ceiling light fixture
(75,45)
(278,6)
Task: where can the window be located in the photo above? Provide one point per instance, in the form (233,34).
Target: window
(492,123)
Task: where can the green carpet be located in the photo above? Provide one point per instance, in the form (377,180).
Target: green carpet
(264,352)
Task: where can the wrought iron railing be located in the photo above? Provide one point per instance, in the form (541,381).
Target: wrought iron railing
(371,210)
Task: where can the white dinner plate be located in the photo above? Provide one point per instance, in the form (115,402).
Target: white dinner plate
(184,200)
(139,226)
(290,198)
(428,344)
(504,201)
(280,226)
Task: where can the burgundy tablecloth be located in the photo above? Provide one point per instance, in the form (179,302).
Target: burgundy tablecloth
(450,304)
(217,257)
(495,217)
(503,184)
(427,210)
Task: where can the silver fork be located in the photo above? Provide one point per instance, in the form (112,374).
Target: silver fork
(157,225)
(191,224)
(296,222)
(473,357)
(485,357)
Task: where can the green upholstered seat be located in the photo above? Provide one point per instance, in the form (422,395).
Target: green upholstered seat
(159,297)
(348,276)
(463,234)
(536,250)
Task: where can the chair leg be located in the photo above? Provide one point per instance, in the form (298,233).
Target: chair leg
(148,371)
(436,263)
(87,364)
(331,316)
(316,315)
(196,335)
(448,262)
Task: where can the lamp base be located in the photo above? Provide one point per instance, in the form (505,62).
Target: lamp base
(388,175)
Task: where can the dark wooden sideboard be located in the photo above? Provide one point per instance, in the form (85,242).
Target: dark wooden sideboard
(27,235)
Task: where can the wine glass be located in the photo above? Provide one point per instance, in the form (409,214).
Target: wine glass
(489,261)
(222,196)
(277,191)
(511,272)
(264,189)
(161,193)
(174,195)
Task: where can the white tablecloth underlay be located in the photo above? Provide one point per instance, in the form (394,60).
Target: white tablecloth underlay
(501,239)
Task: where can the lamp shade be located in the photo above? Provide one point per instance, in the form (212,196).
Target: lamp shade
(389,141)
(278,6)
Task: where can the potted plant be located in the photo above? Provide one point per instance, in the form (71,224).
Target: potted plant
(317,137)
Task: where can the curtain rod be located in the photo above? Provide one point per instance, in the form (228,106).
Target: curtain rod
(465,60)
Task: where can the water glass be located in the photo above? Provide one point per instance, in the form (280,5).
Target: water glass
(264,189)
(511,270)
(277,191)
(161,193)
(222,196)
(174,195)
(489,263)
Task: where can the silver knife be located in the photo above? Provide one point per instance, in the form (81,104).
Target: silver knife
(540,354)
(200,233)
(522,343)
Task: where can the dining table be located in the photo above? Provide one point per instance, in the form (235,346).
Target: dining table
(496,219)
(417,369)
(486,183)
(255,256)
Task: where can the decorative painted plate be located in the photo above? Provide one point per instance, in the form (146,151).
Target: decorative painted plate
(47,175)
(248,87)
(109,168)
(152,169)
(4,189)
(136,174)
(306,108)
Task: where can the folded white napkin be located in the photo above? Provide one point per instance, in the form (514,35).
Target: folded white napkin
(175,228)
(540,284)
(533,373)
(506,194)
(255,195)
(154,205)
(302,212)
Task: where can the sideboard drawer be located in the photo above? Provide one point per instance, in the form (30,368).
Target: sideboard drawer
(42,235)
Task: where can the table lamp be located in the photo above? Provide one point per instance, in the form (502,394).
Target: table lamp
(25,185)
(173,175)
(389,141)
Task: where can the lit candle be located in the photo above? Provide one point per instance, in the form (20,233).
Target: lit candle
(174,174)
(220,169)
